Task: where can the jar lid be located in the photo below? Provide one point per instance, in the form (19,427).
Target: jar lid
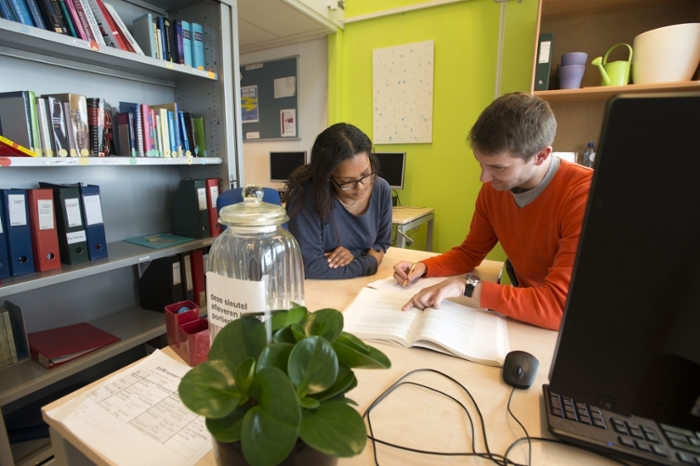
(252,212)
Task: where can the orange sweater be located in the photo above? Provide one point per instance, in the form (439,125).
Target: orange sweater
(540,240)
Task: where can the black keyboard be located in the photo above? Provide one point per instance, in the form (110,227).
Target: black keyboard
(635,438)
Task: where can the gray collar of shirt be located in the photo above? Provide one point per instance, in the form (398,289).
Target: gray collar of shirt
(525,198)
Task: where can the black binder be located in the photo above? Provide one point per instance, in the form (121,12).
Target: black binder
(189,216)
(160,283)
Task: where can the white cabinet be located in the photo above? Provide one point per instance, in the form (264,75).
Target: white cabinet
(135,192)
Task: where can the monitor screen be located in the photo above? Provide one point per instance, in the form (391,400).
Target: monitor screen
(282,164)
(629,338)
(391,167)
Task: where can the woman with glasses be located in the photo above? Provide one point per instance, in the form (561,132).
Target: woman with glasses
(339,210)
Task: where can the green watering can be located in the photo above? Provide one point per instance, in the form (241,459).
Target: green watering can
(616,73)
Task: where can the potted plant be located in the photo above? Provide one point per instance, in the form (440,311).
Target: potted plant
(268,398)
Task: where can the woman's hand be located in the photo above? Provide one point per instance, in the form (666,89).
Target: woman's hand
(340,257)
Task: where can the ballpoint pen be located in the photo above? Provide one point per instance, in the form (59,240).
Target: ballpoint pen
(405,282)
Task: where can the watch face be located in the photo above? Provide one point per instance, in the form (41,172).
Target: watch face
(472,280)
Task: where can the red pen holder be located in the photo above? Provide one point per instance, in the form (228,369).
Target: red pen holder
(192,343)
(194,338)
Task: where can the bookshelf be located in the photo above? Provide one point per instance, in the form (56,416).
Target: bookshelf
(593,27)
(135,192)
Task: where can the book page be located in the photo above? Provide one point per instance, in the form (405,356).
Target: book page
(474,334)
(139,408)
(390,284)
(377,315)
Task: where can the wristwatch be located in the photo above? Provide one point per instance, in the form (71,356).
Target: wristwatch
(472,281)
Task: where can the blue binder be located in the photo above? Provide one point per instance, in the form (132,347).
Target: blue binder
(94,224)
(18,234)
(4,254)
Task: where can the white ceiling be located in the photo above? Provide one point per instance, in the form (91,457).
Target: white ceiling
(265,24)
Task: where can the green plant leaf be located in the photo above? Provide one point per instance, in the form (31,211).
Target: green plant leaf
(239,340)
(326,323)
(228,429)
(298,332)
(334,428)
(284,335)
(309,403)
(287,318)
(244,375)
(275,355)
(210,390)
(313,365)
(271,428)
(349,338)
(345,382)
(351,356)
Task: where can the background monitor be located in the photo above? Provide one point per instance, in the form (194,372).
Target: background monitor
(629,338)
(392,167)
(282,164)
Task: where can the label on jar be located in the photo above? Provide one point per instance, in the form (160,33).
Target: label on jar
(230,298)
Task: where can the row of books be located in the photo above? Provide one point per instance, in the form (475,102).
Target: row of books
(42,228)
(58,125)
(175,40)
(99,23)
(93,21)
(159,131)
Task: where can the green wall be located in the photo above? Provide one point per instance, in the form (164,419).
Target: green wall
(444,173)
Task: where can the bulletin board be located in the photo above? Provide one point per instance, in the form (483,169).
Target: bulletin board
(269,107)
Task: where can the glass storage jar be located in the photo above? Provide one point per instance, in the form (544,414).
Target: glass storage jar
(254,265)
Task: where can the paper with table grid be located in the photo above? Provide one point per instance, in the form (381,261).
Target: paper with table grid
(136,417)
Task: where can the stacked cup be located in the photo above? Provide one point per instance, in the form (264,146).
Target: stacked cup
(572,68)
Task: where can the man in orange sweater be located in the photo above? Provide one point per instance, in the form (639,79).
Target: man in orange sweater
(531,202)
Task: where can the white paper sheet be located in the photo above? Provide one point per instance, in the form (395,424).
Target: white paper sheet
(389,284)
(136,417)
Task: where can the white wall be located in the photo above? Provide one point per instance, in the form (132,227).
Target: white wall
(312,87)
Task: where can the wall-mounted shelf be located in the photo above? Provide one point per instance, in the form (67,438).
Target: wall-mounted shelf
(9,162)
(600,93)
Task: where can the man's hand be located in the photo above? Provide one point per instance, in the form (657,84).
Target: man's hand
(340,257)
(405,272)
(433,296)
(379,255)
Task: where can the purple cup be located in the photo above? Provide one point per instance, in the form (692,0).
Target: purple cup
(570,76)
(574,58)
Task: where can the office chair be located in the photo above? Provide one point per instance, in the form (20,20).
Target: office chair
(235,195)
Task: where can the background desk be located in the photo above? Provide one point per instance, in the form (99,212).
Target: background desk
(406,218)
(416,417)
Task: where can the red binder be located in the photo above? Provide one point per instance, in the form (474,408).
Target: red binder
(42,224)
(60,345)
(198,277)
(212,195)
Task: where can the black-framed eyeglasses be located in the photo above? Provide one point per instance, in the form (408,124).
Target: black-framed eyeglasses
(352,184)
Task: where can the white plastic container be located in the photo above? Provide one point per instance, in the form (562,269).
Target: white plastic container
(667,54)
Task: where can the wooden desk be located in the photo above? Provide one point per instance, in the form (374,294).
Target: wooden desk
(406,218)
(416,417)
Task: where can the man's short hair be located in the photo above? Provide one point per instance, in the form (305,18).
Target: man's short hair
(519,123)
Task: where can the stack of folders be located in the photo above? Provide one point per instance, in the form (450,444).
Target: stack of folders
(193,211)
(60,345)
(80,225)
(172,279)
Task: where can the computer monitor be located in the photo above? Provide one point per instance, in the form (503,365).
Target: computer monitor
(282,164)
(630,337)
(392,166)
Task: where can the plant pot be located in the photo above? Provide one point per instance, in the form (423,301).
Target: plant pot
(231,454)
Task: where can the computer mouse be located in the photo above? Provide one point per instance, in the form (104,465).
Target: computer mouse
(519,369)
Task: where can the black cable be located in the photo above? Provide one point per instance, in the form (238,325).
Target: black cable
(495,458)
(529,443)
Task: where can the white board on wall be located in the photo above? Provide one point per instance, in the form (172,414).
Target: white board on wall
(402,83)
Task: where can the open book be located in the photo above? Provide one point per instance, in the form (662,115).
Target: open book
(474,334)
